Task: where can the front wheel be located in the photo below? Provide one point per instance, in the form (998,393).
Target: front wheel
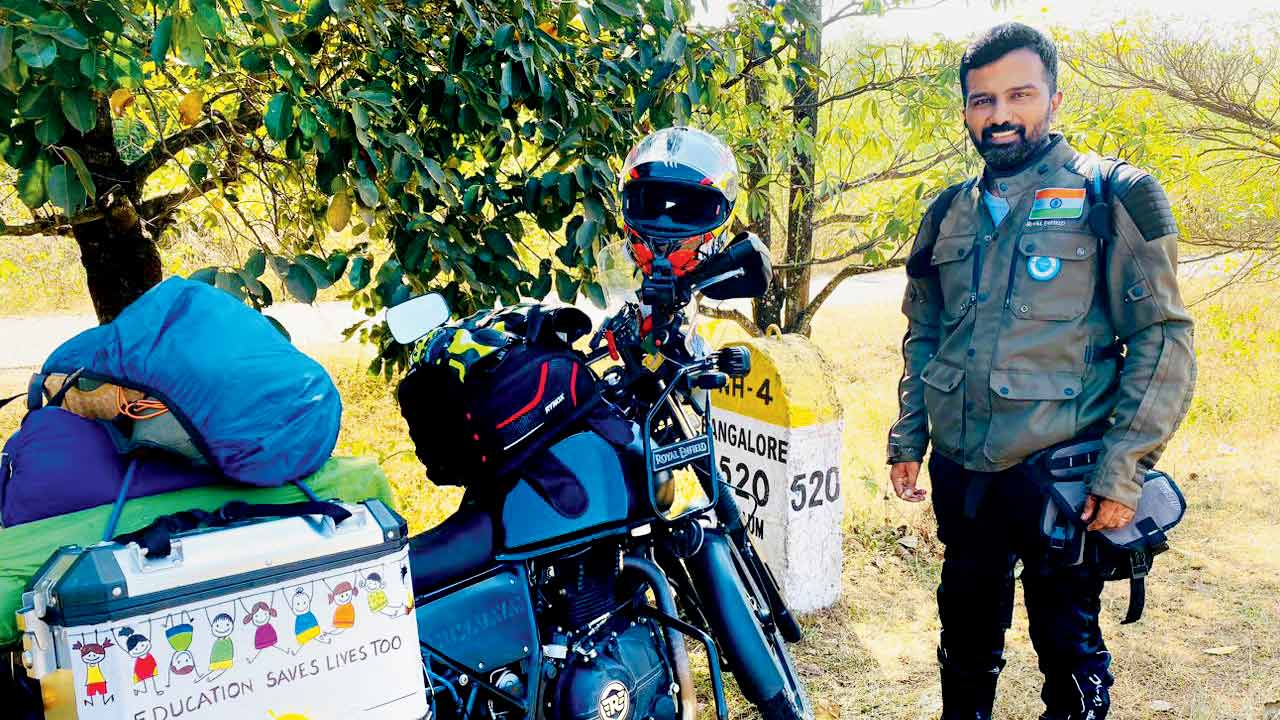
(753,648)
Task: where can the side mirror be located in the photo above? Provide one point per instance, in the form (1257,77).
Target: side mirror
(414,318)
(748,255)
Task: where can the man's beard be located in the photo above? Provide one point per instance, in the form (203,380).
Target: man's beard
(1006,156)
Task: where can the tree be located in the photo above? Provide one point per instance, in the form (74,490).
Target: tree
(401,145)
(1212,110)
(817,140)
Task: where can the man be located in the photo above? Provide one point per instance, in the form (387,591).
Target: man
(1027,328)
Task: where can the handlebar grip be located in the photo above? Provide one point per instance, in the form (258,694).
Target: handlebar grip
(734,361)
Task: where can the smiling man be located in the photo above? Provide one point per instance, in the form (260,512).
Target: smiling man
(1043,309)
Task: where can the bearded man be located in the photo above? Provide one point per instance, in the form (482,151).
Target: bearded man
(1028,328)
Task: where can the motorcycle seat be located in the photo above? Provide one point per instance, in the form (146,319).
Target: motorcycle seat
(457,548)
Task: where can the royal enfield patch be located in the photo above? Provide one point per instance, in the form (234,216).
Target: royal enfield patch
(1057,204)
(680,453)
(615,701)
(1043,268)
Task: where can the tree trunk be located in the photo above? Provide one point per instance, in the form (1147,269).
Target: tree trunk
(767,309)
(120,261)
(801,205)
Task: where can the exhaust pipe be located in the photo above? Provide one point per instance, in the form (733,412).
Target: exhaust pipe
(657,581)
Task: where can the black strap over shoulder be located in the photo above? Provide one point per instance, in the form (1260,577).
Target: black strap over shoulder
(919,265)
(1100,196)
(157,538)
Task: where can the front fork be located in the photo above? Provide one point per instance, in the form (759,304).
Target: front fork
(764,587)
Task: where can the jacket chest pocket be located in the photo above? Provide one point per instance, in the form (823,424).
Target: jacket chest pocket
(953,260)
(1055,275)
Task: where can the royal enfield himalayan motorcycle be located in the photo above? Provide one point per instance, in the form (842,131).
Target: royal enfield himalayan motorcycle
(525,612)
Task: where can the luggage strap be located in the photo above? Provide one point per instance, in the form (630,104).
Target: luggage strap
(8,400)
(156,538)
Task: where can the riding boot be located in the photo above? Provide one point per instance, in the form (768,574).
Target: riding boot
(968,693)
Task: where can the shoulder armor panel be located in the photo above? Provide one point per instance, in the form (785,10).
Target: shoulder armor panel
(1145,201)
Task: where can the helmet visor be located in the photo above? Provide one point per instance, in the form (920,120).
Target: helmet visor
(665,209)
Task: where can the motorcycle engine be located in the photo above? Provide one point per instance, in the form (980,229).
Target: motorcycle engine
(621,675)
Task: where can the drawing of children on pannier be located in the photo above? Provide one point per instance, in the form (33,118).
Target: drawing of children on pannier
(344,615)
(182,662)
(223,653)
(264,636)
(305,626)
(95,683)
(144,663)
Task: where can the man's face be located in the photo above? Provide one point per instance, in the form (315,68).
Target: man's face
(1009,108)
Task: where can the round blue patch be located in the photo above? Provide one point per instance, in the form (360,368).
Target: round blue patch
(1055,203)
(1043,268)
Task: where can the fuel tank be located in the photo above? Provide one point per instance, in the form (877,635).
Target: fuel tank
(587,466)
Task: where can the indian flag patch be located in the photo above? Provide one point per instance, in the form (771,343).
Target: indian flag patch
(1057,204)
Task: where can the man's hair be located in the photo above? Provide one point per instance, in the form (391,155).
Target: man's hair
(1004,39)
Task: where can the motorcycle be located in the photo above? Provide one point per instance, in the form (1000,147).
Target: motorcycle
(524,612)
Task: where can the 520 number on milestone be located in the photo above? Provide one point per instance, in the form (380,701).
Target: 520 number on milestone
(812,489)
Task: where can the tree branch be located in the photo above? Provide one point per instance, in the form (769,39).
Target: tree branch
(734,315)
(806,315)
(53,225)
(755,63)
(855,92)
(841,218)
(169,147)
(856,250)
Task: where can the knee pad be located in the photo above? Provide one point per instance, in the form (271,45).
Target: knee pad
(1081,694)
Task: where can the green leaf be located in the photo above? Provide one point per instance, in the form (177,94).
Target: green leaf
(6,46)
(502,36)
(254,60)
(276,324)
(72,38)
(279,116)
(594,293)
(368,191)
(540,287)
(198,171)
(50,130)
(318,268)
(591,22)
(207,275)
(64,189)
(230,282)
(82,172)
(33,181)
(586,233)
(674,49)
(188,41)
(358,275)
(301,284)
(409,144)
(207,19)
(256,264)
(38,51)
(318,10)
(337,264)
(80,109)
(160,41)
(625,8)
(566,287)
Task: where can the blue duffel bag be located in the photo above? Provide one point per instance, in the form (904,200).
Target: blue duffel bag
(246,401)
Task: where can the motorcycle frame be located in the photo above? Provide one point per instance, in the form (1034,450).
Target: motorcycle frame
(712,488)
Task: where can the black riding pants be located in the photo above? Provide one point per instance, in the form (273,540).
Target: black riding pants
(988,521)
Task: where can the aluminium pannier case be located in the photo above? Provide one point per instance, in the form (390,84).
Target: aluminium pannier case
(293,617)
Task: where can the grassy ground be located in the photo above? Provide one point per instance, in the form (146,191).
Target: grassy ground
(1209,645)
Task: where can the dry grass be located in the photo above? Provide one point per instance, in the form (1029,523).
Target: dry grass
(872,655)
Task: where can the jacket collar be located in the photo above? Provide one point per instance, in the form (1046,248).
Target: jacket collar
(1030,177)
